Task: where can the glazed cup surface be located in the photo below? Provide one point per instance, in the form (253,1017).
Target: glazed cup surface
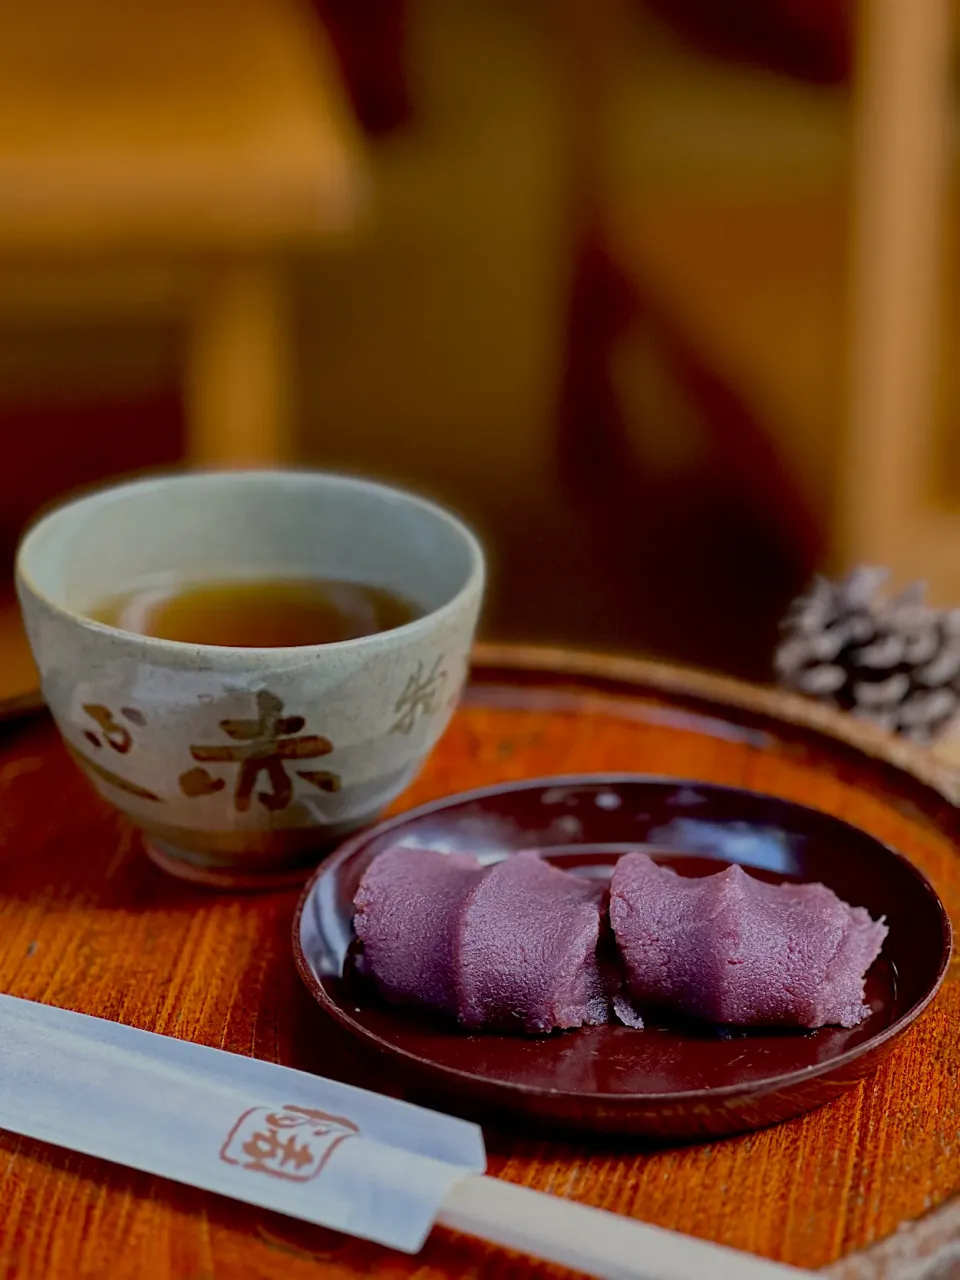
(240,762)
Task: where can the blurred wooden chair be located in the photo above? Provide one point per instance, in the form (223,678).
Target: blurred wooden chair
(679,277)
(171,160)
(821,313)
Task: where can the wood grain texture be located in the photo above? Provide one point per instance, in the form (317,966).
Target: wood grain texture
(86,922)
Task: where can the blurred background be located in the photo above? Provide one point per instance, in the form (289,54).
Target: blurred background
(650,291)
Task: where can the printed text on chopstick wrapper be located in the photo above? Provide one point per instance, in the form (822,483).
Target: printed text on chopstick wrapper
(292,1142)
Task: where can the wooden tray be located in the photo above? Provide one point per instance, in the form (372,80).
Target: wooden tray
(86,922)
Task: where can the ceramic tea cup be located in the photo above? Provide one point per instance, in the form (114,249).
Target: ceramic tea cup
(241,764)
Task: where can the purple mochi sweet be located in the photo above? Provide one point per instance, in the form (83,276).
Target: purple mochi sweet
(734,949)
(528,949)
(407,915)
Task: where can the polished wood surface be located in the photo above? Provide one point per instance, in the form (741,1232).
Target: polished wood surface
(86,922)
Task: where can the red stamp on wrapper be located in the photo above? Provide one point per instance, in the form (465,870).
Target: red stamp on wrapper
(293,1143)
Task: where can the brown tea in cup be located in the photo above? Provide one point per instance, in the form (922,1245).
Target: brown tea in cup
(257,614)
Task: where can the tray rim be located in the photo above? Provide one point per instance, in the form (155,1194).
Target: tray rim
(719,691)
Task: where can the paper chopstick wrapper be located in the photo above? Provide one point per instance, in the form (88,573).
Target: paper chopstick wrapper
(322,1151)
(325,1152)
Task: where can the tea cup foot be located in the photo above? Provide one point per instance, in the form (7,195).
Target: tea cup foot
(180,863)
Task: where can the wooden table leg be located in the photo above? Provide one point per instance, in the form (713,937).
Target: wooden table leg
(899,197)
(239,377)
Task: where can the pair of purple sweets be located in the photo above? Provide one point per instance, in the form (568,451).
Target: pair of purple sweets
(523,946)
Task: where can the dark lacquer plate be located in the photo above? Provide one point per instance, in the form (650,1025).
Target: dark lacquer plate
(677,1078)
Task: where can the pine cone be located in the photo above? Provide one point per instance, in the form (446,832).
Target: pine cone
(894,661)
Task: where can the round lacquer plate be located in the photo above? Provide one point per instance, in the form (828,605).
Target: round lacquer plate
(677,1078)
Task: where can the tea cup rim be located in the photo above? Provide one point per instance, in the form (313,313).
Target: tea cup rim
(472,584)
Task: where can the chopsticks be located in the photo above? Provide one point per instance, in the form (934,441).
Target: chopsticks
(593,1241)
(326,1152)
